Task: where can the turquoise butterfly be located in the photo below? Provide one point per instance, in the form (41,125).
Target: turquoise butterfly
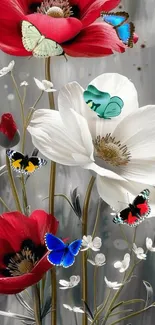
(102,103)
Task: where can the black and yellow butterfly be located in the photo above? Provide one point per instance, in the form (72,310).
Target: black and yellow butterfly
(24,164)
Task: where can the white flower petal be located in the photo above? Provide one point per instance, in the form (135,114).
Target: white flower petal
(100,259)
(23,83)
(140,170)
(68,307)
(64,283)
(7,69)
(97,242)
(72,96)
(114,285)
(74,280)
(129,128)
(52,138)
(78,310)
(149,244)
(39,84)
(114,193)
(118,265)
(77,127)
(104,172)
(118,85)
(47,84)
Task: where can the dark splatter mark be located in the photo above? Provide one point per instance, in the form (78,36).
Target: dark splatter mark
(120,7)
(143,46)
(139,68)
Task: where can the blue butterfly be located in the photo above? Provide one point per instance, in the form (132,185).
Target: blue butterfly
(61,253)
(124,30)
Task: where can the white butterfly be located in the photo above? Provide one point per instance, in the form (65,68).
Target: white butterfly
(34,41)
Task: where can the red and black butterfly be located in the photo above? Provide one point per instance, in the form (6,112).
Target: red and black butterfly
(136,212)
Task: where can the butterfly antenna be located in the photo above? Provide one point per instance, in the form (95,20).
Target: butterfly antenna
(128,198)
(30,57)
(65,57)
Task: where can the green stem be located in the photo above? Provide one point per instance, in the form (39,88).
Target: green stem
(95,288)
(123,234)
(24,95)
(51,200)
(36,305)
(102,308)
(13,186)
(5,205)
(84,254)
(117,294)
(118,321)
(97,218)
(42,286)
(19,97)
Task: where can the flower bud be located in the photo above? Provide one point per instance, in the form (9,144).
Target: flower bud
(9,134)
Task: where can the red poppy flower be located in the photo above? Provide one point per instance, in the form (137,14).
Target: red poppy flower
(70,23)
(23,255)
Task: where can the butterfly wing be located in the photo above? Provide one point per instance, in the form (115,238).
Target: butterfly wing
(126,217)
(68,258)
(141,203)
(115,18)
(56,257)
(54,243)
(16,160)
(30,35)
(113,108)
(33,164)
(125,33)
(75,246)
(47,48)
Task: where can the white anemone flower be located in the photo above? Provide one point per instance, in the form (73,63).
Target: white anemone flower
(74,309)
(124,264)
(74,280)
(112,285)
(149,244)
(99,260)
(139,251)
(95,244)
(119,150)
(7,69)
(45,85)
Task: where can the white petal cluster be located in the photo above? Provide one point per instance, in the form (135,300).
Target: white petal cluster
(139,251)
(45,85)
(73,281)
(7,69)
(112,285)
(149,244)
(99,260)
(124,264)
(74,309)
(94,244)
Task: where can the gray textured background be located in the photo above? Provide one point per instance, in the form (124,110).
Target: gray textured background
(138,64)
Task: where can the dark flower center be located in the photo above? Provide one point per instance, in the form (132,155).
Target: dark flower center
(23,261)
(55,8)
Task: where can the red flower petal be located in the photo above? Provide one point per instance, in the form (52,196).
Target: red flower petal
(96,40)
(8,125)
(57,29)
(19,225)
(11,39)
(44,223)
(5,248)
(93,10)
(17,283)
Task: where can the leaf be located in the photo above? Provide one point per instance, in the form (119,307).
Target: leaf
(46,307)
(76,203)
(17,316)
(24,303)
(149,295)
(88,310)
